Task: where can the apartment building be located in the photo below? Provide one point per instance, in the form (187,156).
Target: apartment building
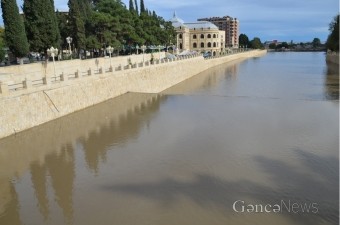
(231,27)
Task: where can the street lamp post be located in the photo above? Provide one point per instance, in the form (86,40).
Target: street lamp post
(137,47)
(143,49)
(69,41)
(52,52)
(110,50)
(159,51)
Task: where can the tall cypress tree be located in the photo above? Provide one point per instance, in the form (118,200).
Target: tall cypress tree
(131,7)
(136,5)
(142,7)
(15,35)
(41,24)
(77,24)
(85,9)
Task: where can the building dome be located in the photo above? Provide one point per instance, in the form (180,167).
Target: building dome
(177,22)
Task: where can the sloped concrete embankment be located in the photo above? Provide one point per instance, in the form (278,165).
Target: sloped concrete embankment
(30,103)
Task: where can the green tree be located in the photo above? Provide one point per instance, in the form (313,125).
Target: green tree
(333,38)
(2,44)
(142,7)
(77,24)
(64,27)
(131,6)
(256,43)
(243,40)
(136,5)
(15,35)
(272,46)
(41,24)
(283,45)
(316,42)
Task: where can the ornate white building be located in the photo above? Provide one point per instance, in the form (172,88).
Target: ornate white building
(201,36)
(231,27)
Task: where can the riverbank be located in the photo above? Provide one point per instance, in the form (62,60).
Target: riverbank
(332,59)
(27,101)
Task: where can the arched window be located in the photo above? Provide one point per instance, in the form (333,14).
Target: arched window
(209,44)
(214,44)
(202,36)
(209,35)
(180,36)
(214,53)
(214,36)
(194,45)
(195,36)
(180,46)
(202,45)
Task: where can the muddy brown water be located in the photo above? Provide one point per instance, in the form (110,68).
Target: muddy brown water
(263,132)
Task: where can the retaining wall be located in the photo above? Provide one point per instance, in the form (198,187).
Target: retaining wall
(333,58)
(25,103)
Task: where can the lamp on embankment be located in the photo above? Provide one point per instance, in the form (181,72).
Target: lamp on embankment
(69,41)
(110,50)
(143,49)
(159,51)
(52,52)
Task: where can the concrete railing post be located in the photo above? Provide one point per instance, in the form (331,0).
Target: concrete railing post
(4,88)
(46,80)
(78,74)
(27,84)
(101,71)
(90,72)
(64,77)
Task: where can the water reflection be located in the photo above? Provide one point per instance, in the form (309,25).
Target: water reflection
(207,190)
(184,156)
(207,80)
(48,154)
(332,82)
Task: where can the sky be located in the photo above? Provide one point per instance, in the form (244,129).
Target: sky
(282,20)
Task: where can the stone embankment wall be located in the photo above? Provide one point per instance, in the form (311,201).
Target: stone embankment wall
(31,99)
(333,58)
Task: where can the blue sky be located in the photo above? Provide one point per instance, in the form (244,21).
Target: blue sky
(282,20)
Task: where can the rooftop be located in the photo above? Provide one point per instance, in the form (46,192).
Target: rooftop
(178,22)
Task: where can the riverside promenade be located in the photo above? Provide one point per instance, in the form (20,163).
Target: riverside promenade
(33,94)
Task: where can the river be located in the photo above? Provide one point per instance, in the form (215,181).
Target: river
(248,142)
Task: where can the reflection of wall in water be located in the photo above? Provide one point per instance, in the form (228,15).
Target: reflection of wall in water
(207,79)
(332,81)
(47,151)
(119,131)
(8,203)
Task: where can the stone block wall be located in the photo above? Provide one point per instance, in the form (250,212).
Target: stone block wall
(31,104)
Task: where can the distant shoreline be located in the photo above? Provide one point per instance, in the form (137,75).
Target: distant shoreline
(294,50)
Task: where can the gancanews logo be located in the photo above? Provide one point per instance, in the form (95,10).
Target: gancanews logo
(289,206)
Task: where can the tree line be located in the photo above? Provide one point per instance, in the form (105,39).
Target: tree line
(92,24)
(331,44)
(255,43)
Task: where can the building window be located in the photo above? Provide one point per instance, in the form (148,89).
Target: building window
(209,45)
(209,35)
(180,36)
(202,45)
(195,36)
(180,46)
(202,36)
(194,45)
(214,36)
(214,44)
